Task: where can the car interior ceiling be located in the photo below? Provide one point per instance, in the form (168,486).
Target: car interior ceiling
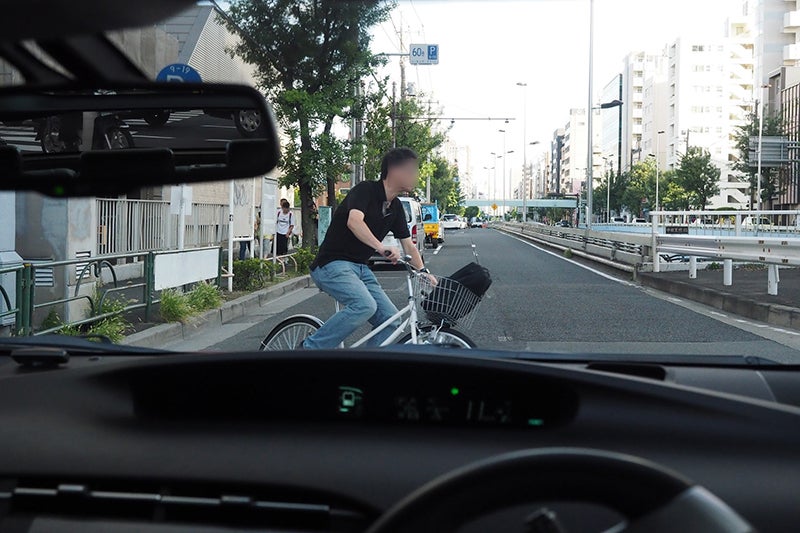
(223,442)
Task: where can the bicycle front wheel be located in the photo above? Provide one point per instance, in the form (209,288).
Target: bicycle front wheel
(432,335)
(290,333)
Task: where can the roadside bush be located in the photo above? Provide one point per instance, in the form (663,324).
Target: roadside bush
(568,253)
(714,266)
(204,296)
(175,306)
(304,258)
(112,327)
(252,274)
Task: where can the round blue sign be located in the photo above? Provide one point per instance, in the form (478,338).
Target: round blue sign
(178,72)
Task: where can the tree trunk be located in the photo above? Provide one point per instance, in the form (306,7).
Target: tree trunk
(308,214)
(330,180)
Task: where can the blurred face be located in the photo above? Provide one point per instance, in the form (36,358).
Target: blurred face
(404,176)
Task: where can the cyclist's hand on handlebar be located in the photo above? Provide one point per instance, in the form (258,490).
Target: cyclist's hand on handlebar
(431,278)
(392,254)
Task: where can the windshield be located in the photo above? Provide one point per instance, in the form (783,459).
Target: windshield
(618,182)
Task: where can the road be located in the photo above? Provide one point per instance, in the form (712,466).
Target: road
(184,129)
(542,302)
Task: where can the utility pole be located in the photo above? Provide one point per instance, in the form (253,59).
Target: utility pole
(589,121)
(402,63)
(394,115)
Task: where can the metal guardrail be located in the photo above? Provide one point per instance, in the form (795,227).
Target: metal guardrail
(628,249)
(26,289)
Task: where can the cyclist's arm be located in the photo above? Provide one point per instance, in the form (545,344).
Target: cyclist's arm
(411,249)
(356,224)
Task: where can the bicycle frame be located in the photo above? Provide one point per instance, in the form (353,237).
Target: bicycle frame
(411,320)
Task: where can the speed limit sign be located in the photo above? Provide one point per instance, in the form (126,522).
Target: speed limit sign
(424,54)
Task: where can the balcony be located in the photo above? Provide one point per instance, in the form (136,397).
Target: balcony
(791,22)
(791,52)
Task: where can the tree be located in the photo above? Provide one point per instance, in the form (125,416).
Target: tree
(600,195)
(770,183)
(471,211)
(697,177)
(413,129)
(639,184)
(309,56)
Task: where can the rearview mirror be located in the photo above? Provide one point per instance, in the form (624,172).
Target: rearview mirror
(111,140)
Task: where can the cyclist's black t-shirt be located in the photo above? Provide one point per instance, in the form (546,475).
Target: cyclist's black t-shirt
(368,197)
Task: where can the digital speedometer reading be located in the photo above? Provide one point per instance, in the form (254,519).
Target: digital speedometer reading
(473,402)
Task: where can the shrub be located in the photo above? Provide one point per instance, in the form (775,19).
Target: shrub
(568,253)
(204,296)
(714,266)
(304,258)
(252,274)
(175,306)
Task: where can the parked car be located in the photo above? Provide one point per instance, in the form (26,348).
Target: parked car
(434,232)
(416,228)
(451,221)
(563,224)
(618,220)
(477,223)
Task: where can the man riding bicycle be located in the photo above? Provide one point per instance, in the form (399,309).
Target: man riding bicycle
(368,213)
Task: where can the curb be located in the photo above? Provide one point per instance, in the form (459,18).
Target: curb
(775,314)
(158,336)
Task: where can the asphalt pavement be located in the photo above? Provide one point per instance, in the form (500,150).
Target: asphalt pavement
(539,301)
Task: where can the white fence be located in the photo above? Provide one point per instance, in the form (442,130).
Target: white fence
(125,225)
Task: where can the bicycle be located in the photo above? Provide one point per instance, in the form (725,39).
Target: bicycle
(431,315)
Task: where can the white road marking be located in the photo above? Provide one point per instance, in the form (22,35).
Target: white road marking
(437,250)
(723,315)
(590,269)
(140,136)
(219,126)
(674,299)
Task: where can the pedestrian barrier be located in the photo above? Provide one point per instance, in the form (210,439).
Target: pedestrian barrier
(161,270)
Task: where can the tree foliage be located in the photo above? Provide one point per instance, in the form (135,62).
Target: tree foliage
(309,56)
(770,182)
(416,129)
(696,178)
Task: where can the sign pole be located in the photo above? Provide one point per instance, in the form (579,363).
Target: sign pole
(230,238)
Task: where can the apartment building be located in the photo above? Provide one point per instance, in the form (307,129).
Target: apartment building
(574,152)
(709,95)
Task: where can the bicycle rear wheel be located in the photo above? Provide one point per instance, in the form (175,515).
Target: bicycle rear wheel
(440,337)
(290,333)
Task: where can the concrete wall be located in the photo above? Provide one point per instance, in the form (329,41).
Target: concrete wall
(151,49)
(51,229)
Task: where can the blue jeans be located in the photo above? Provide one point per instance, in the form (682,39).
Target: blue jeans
(355,287)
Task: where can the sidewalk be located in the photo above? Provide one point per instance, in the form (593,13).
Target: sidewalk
(746,297)
(165,334)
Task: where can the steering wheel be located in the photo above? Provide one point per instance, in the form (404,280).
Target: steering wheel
(652,498)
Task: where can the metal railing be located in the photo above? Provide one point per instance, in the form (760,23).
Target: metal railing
(628,249)
(127,226)
(26,306)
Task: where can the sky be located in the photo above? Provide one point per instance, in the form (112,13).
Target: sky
(488,46)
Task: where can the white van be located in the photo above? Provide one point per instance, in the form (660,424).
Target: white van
(416,228)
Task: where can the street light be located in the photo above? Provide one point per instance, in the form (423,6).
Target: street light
(760,111)
(524,87)
(658,147)
(504,171)
(589,123)
(525,182)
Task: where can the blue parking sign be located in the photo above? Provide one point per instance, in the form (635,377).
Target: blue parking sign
(179,72)
(433,52)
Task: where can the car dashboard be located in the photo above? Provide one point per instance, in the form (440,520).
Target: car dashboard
(327,441)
